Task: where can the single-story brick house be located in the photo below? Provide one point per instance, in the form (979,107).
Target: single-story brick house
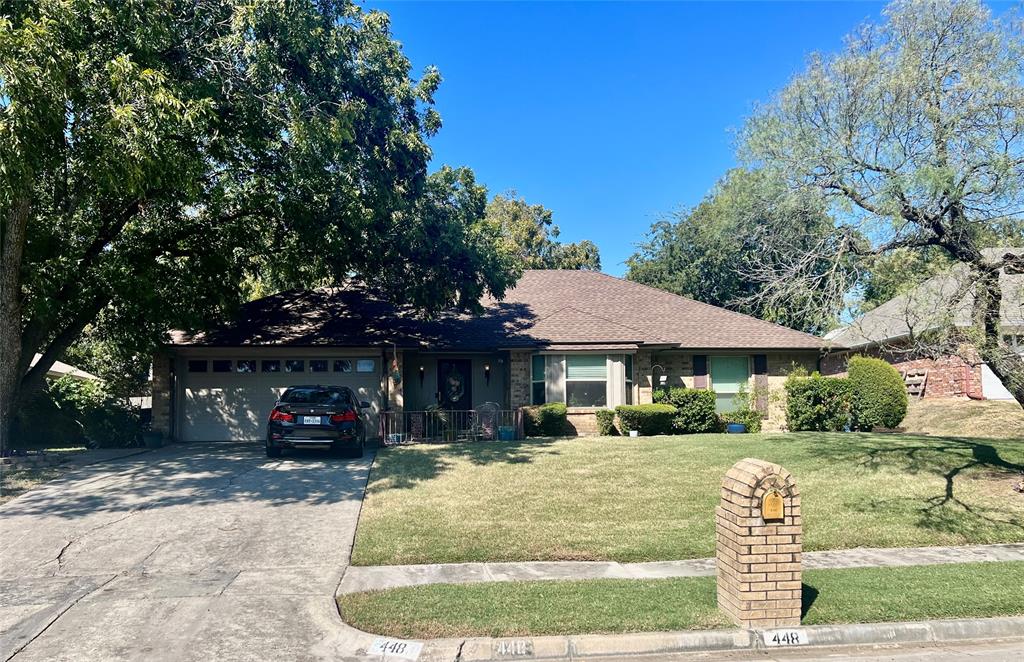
(944,301)
(580,337)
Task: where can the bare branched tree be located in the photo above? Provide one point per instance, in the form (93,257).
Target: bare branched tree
(916,132)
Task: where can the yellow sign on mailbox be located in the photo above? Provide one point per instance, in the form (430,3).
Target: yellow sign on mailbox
(772,508)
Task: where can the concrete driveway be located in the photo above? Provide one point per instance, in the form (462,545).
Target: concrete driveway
(194,552)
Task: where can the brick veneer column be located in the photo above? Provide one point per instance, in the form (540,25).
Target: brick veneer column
(161,392)
(643,362)
(758,562)
(519,371)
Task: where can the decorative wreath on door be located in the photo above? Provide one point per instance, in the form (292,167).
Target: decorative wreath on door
(454,385)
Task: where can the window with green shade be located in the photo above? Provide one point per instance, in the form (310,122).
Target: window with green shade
(586,380)
(729,374)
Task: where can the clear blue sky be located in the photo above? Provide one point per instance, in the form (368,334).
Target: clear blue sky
(609,114)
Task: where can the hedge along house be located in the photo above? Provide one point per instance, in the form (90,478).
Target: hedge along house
(583,338)
(899,331)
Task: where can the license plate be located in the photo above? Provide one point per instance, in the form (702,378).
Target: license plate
(311,420)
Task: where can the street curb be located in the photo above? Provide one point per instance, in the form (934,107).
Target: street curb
(816,636)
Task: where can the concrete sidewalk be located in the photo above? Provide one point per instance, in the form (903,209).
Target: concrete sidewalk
(370,578)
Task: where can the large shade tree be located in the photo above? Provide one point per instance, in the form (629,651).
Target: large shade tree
(529,231)
(154,154)
(708,252)
(916,132)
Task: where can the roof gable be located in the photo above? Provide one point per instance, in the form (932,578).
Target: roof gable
(942,300)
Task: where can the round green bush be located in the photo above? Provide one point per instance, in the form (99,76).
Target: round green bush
(546,420)
(879,394)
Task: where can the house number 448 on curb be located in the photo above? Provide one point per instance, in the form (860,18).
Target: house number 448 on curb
(785,638)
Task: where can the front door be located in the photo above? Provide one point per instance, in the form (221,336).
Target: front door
(455,383)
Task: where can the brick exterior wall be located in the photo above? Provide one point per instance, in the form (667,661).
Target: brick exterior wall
(949,376)
(758,563)
(161,388)
(582,423)
(642,363)
(678,366)
(519,374)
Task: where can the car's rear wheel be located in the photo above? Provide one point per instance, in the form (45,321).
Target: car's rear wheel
(273,452)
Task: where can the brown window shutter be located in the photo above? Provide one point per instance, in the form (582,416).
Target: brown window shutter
(700,371)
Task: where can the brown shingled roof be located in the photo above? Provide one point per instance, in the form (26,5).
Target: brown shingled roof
(546,308)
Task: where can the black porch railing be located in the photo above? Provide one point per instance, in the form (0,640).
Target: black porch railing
(441,425)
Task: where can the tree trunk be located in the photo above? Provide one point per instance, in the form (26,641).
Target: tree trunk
(12,246)
(1005,364)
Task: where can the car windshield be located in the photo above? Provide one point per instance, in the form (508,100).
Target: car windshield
(315,396)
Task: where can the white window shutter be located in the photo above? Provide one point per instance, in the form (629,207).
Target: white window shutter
(554,378)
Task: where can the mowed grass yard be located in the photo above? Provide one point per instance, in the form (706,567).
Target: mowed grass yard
(855,595)
(647,499)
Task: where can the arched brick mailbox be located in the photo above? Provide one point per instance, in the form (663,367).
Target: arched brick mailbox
(758,535)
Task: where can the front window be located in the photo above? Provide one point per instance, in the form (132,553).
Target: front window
(729,374)
(586,380)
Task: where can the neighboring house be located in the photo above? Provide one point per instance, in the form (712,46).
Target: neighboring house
(60,369)
(583,338)
(897,331)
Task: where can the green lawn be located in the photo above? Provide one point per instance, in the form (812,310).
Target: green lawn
(857,595)
(654,498)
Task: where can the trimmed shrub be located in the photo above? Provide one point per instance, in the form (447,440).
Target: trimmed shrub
(695,409)
(605,422)
(752,419)
(646,419)
(879,394)
(545,420)
(817,404)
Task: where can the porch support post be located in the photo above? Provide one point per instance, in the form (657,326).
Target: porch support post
(395,375)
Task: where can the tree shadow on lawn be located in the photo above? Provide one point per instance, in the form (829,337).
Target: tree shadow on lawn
(408,466)
(808,594)
(949,458)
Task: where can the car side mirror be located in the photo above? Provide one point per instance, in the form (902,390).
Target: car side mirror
(364,405)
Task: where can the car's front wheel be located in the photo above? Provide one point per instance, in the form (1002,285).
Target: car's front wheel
(273,452)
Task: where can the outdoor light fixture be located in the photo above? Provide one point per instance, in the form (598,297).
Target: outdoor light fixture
(422,372)
(487,373)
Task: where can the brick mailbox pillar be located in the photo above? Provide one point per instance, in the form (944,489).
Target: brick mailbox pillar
(758,535)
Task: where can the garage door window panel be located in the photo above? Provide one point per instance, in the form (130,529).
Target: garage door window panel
(222,365)
(342,365)
(196,365)
(295,365)
(318,365)
(271,366)
(365,365)
(245,366)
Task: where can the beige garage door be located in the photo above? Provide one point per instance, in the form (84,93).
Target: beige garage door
(230,398)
